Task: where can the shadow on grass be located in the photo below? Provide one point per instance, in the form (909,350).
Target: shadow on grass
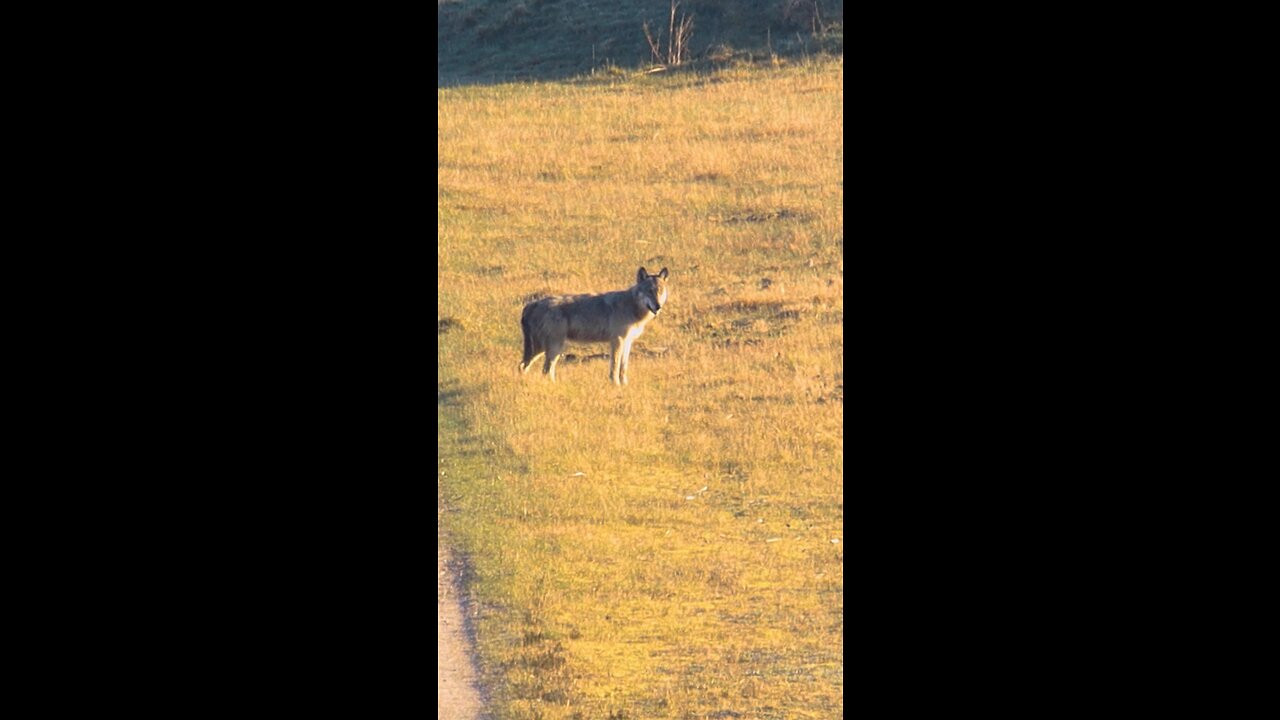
(458,438)
(449,393)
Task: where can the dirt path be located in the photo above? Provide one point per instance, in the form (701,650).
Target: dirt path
(456,692)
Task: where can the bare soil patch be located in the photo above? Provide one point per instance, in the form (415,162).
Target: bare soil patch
(457,693)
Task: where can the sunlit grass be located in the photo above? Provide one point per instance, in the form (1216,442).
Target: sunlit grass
(664,549)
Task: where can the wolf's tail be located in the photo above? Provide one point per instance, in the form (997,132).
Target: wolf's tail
(528,338)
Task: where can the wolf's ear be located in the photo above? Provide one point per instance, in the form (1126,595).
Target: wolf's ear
(642,275)
(663,274)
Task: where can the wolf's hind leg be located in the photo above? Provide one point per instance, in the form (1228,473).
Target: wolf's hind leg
(525,365)
(532,343)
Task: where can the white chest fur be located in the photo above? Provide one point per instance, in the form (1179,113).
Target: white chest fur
(638,328)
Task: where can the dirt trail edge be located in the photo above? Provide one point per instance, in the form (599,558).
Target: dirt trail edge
(457,695)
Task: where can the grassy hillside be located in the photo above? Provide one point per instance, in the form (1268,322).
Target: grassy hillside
(507,39)
(672,549)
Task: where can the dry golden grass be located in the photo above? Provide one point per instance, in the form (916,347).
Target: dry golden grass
(664,549)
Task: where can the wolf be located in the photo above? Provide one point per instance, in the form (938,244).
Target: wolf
(616,317)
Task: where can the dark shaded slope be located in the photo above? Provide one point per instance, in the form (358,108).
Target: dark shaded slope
(489,40)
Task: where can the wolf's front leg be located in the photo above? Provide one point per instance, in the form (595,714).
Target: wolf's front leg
(626,359)
(553,355)
(615,360)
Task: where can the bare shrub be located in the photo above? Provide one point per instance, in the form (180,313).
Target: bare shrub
(679,33)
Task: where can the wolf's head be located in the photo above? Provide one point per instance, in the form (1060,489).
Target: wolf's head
(652,289)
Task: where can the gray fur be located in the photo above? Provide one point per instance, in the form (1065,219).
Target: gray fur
(617,318)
